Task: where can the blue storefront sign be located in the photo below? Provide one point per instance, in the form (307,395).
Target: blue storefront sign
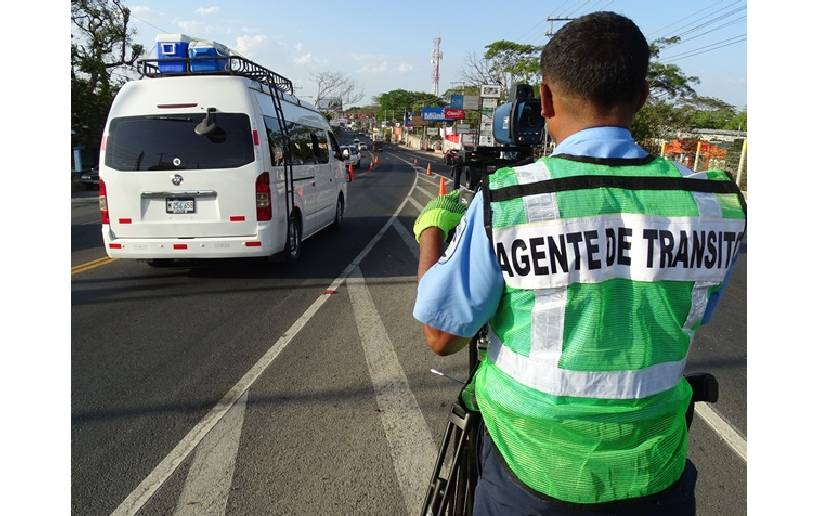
(433,115)
(457,101)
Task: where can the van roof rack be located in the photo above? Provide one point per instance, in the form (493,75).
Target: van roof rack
(236,65)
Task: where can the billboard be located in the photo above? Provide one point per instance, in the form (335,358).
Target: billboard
(433,114)
(470,102)
(490,91)
(453,114)
(457,101)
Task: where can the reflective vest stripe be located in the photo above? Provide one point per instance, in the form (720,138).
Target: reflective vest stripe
(547,328)
(709,206)
(707,203)
(539,206)
(543,374)
(547,331)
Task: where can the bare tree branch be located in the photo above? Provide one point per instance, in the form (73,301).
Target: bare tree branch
(336,85)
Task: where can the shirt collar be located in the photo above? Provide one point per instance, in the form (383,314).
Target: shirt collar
(601,142)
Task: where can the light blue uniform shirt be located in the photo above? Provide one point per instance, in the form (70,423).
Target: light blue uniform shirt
(461,292)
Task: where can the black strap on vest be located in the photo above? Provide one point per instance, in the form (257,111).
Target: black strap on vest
(565,184)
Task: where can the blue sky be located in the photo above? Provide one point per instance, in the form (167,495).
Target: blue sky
(387,45)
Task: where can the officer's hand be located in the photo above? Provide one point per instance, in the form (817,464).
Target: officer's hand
(442,212)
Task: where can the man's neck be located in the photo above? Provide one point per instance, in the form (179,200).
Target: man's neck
(572,128)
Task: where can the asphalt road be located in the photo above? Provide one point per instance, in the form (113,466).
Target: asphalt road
(319,430)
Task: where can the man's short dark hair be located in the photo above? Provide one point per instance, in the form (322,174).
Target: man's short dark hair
(601,58)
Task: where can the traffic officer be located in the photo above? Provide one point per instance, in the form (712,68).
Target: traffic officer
(593,269)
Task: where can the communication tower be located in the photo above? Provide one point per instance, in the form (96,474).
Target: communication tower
(438,55)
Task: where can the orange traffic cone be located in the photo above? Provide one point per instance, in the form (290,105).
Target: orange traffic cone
(442,187)
(350,172)
(429,169)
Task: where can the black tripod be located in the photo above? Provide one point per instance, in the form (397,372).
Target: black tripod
(454,477)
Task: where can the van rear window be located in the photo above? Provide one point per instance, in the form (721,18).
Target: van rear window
(169,142)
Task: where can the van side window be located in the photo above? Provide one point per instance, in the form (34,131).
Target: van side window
(302,153)
(322,152)
(273,136)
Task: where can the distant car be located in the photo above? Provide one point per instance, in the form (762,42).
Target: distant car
(90,179)
(378,145)
(452,157)
(354,156)
(362,146)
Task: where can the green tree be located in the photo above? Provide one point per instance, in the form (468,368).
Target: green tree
(668,84)
(398,101)
(739,121)
(102,42)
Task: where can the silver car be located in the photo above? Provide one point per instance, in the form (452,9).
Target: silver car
(352,156)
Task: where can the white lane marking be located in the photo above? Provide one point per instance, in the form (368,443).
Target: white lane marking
(209,480)
(416,204)
(425,192)
(407,237)
(411,443)
(144,491)
(428,180)
(728,434)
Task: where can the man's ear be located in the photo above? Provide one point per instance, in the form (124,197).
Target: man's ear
(547,109)
(643,97)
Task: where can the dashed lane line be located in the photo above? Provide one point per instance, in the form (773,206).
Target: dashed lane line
(416,204)
(724,429)
(91,265)
(161,473)
(207,485)
(425,192)
(405,235)
(411,443)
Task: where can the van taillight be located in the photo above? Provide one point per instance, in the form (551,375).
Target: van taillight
(263,197)
(104,205)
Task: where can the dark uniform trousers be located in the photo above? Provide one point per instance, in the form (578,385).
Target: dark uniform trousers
(499,493)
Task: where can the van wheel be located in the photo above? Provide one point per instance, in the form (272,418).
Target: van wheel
(339,213)
(293,239)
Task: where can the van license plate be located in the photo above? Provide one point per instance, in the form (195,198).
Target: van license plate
(180,205)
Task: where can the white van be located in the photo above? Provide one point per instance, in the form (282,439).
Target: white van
(192,166)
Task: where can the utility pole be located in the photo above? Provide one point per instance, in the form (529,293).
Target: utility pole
(550,33)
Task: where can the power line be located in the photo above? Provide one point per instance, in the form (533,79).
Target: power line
(150,24)
(709,31)
(712,21)
(676,32)
(577,8)
(528,31)
(709,50)
(683,54)
(691,15)
(557,12)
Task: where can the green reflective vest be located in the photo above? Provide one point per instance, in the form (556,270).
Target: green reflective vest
(608,265)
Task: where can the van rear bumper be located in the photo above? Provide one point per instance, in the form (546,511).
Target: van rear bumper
(219,247)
